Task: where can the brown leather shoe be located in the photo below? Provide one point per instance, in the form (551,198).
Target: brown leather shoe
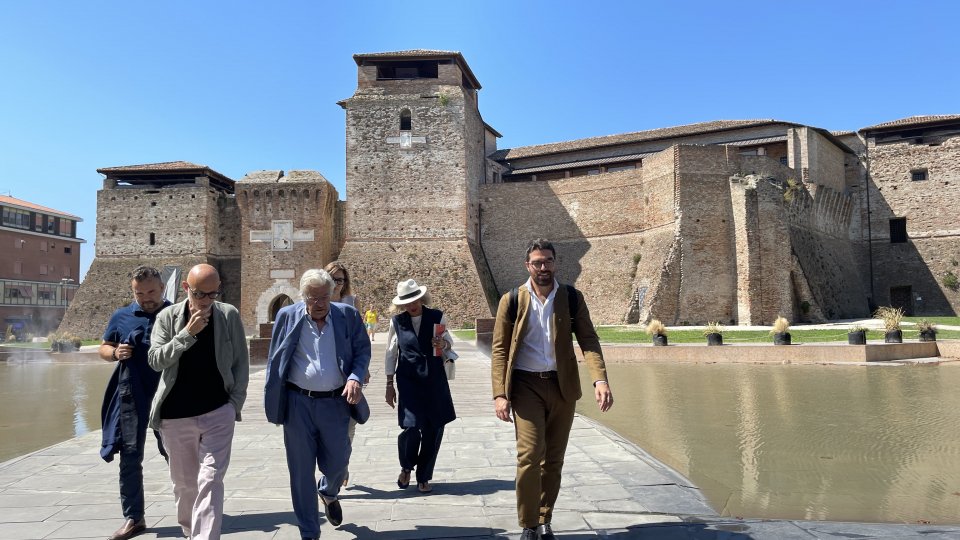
(130,529)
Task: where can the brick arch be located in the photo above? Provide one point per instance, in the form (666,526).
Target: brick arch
(269,297)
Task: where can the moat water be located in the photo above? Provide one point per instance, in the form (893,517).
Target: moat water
(839,443)
(44,402)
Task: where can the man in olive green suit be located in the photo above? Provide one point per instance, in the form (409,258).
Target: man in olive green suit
(534,373)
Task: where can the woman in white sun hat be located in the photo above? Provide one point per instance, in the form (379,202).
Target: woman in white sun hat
(424,406)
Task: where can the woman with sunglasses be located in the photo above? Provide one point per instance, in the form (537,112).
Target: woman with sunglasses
(344,294)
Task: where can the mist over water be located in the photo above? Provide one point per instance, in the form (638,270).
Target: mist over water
(839,443)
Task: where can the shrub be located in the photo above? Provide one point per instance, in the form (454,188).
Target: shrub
(780,326)
(950,281)
(890,316)
(656,328)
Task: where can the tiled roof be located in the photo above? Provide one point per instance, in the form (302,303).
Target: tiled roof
(914,121)
(151,172)
(627,138)
(165,166)
(13,201)
(633,157)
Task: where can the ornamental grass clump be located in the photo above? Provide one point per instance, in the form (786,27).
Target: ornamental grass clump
(657,331)
(780,326)
(779,331)
(656,328)
(891,317)
(714,333)
(713,328)
(928,330)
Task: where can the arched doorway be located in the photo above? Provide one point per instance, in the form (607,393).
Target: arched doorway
(276,304)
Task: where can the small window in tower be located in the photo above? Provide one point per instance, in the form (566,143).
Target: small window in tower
(898,230)
(918,175)
(783,160)
(153,239)
(405,120)
(67,250)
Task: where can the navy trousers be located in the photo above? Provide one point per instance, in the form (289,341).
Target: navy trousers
(315,436)
(418,450)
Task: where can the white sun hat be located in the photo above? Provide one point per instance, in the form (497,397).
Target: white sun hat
(408,291)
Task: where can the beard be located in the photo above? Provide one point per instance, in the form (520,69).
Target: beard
(543,278)
(150,306)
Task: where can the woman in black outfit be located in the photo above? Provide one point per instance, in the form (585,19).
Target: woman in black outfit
(425,405)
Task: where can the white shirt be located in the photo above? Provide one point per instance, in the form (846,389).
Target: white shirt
(390,359)
(315,366)
(536,351)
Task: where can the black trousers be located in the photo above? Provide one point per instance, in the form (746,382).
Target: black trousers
(418,449)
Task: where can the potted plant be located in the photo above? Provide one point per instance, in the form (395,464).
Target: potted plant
(54,339)
(779,331)
(658,332)
(891,318)
(714,333)
(928,330)
(857,335)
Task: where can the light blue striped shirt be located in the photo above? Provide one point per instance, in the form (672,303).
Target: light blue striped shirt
(315,365)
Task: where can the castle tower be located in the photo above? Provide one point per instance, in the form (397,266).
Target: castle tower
(167,215)
(415,159)
(290,225)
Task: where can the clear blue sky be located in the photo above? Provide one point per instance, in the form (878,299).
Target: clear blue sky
(242,86)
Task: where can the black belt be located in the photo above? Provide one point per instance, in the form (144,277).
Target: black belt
(537,374)
(315,393)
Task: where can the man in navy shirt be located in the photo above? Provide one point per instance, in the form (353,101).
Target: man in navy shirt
(126,403)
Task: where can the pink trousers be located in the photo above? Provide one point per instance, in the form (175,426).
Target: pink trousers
(199,449)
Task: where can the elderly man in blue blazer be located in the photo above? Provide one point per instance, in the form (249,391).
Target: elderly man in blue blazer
(319,354)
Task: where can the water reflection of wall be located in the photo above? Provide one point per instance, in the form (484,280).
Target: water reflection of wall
(801,442)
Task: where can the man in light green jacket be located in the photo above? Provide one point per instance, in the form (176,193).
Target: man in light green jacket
(200,347)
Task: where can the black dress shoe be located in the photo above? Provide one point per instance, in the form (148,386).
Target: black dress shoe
(545,532)
(333,511)
(130,529)
(528,534)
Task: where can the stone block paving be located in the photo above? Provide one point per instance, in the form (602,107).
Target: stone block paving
(611,488)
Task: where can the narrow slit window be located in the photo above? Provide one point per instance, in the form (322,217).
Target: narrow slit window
(405,120)
(153,239)
(898,230)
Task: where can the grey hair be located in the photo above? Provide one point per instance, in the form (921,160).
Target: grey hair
(315,278)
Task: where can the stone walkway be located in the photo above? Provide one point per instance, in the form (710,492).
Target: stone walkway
(611,489)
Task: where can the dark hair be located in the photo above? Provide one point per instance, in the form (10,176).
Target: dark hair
(143,273)
(332,269)
(540,245)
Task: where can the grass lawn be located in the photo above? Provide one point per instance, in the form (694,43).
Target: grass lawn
(632,334)
(615,334)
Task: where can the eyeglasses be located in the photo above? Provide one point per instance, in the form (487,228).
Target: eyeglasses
(316,300)
(541,264)
(213,295)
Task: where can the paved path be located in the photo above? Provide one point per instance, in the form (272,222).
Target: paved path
(611,489)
